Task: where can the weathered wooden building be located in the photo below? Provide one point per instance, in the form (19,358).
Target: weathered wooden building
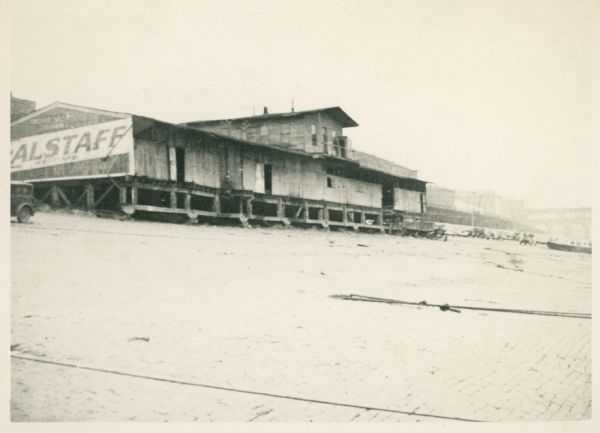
(97,159)
(312,131)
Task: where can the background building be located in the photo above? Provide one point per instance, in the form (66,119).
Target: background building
(441,198)
(20,107)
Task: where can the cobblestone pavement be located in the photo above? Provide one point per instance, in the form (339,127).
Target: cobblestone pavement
(250,309)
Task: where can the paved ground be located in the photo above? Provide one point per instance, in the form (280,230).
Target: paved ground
(250,310)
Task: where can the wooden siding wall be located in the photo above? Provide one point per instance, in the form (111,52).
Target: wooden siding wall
(250,131)
(292,175)
(301,177)
(203,164)
(151,159)
(352,191)
(299,137)
(320,120)
(217,163)
(408,201)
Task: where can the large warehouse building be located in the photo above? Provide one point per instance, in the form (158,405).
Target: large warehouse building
(293,168)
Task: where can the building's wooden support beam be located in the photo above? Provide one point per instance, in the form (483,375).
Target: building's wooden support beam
(89,196)
(217,204)
(299,211)
(122,195)
(103,196)
(43,199)
(63,196)
(249,207)
(193,191)
(244,221)
(80,198)
(134,194)
(268,218)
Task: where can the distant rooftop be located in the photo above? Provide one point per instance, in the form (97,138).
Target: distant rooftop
(336,112)
(376,163)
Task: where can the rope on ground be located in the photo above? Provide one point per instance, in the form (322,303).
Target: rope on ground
(457,308)
(243,391)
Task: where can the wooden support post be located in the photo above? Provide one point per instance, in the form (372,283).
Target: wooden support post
(134,195)
(188,202)
(89,194)
(244,222)
(81,196)
(299,211)
(249,207)
(63,196)
(122,195)
(173,199)
(43,199)
(362,217)
(305,211)
(280,212)
(325,217)
(217,204)
(380,221)
(54,200)
(345,216)
(109,189)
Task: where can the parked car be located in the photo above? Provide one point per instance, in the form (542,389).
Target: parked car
(22,201)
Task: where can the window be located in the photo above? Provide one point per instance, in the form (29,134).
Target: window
(313,134)
(329,182)
(325,135)
(339,146)
(264,130)
(333,135)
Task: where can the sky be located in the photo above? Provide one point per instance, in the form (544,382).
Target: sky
(492,95)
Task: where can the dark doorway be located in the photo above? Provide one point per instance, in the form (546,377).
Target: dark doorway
(268,179)
(180,160)
(387,196)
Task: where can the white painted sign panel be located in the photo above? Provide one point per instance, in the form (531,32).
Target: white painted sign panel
(72,145)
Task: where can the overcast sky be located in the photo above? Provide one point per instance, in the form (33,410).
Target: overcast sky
(473,94)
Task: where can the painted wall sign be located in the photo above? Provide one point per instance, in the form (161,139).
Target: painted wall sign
(72,145)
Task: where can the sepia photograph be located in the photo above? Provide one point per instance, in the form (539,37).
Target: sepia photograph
(303,212)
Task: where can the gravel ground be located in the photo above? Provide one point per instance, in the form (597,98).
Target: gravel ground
(214,318)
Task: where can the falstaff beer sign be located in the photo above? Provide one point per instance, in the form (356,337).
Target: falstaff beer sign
(72,145)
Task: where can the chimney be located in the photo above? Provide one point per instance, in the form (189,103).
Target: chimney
(265,110)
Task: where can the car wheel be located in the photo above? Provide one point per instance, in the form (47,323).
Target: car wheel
(24,214)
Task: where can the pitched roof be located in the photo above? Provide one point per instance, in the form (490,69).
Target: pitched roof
(336,112)
(59,104)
